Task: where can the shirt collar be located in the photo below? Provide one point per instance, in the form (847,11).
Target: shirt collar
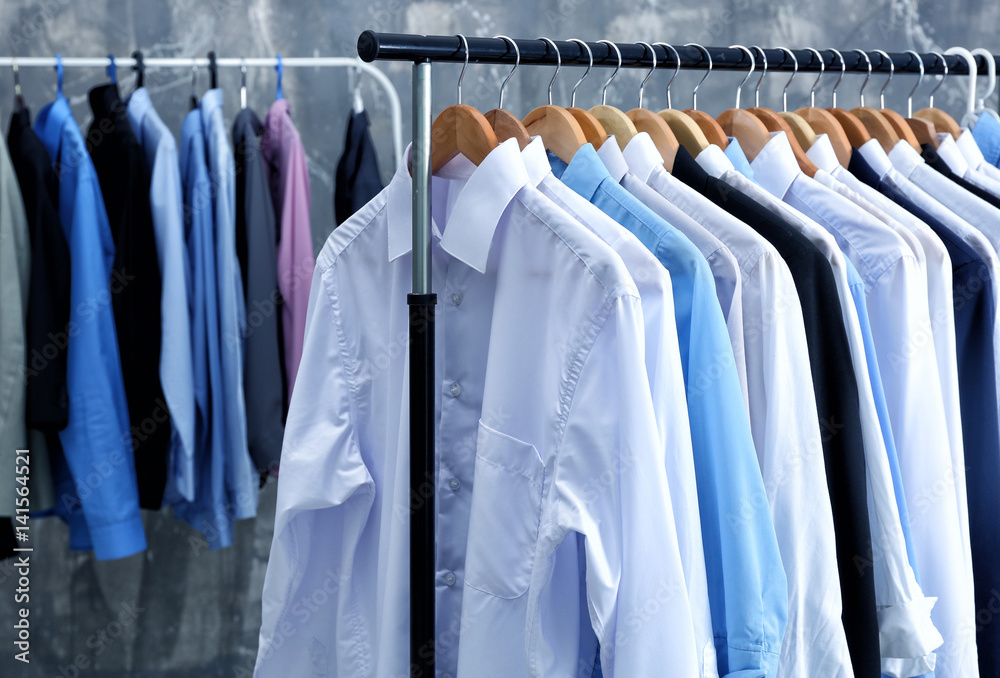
(139,104)
(822,153)
(739,159)
(987,135)
(611,155)
(642,156)
(585,173)
(714,161)
(970,149)
(949,151)
(775,166)
(536,162)
(486,192)
(49,124)
(876,157)
(904,158)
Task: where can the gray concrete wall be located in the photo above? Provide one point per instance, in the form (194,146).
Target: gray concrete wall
(178,610)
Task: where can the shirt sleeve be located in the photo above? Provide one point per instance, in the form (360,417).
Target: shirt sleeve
(312,595)
(785,426)
(901,330)
(97,440)
(295,256)
(610,487)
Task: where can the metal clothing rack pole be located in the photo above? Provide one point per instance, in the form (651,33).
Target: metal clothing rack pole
(422,51)
(395,107)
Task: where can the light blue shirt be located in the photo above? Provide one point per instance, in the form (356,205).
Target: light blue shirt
(746,580)
(95,473)
(739,159)
(207,512)
(987,136)
(166,199)
(241,476)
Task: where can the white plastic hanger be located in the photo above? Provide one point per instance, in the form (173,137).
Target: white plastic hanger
(970,102)
(991,69)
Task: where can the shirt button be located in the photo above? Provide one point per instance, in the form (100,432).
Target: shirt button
(455,389)
(454,484)
(456,298)
(449,579)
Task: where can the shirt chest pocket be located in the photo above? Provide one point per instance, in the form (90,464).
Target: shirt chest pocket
(505,514)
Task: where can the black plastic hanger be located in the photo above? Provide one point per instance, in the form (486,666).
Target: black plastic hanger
(213,70)
(18,99)
(139,68)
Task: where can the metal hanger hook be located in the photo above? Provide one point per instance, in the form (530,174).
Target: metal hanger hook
(590,65)
(944,63)
(795,71)
(892,71)
(920,80)
(822,70)
(677,58)
(642,85)
(753,66)
(763,72)
(694,93)
(558,65)
(17,78)
(243,83)
(604,91)
(517,62)
(867,77)
(461,76)
(843,70)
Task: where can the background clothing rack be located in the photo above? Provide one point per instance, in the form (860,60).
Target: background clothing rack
(233,62)
(423,51)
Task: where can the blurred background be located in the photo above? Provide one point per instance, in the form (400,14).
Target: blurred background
(178,609)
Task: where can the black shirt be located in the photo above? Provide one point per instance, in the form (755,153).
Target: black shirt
(256,235)
(358,179)
(837,402)
(49,287)
(135,285)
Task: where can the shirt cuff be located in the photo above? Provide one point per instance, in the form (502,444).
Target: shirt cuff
(908,638)
(119,540)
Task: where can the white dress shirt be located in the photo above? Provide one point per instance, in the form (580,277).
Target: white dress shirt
(936,264)
(547,448)
(785,427)
(666,382)
(974,156)
(956,158)
(725,269)
(898,311)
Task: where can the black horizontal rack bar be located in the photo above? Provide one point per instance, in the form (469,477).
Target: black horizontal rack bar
(448,48)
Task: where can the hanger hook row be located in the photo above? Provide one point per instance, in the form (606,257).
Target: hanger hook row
(708,57)
(552,44)
(753,66)
(677,68)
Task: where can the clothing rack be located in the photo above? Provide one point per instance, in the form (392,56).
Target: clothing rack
(230,62)
(423,51)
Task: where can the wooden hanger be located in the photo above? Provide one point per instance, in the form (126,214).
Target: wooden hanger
(803,133)
(593,130)
(923,130)
(504,123)
(461,129)
(942,121)
(683,127)
(775,123)
(744,125)
(652,124)
(857,134)
(878,127)
(614,122)
(559,130)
